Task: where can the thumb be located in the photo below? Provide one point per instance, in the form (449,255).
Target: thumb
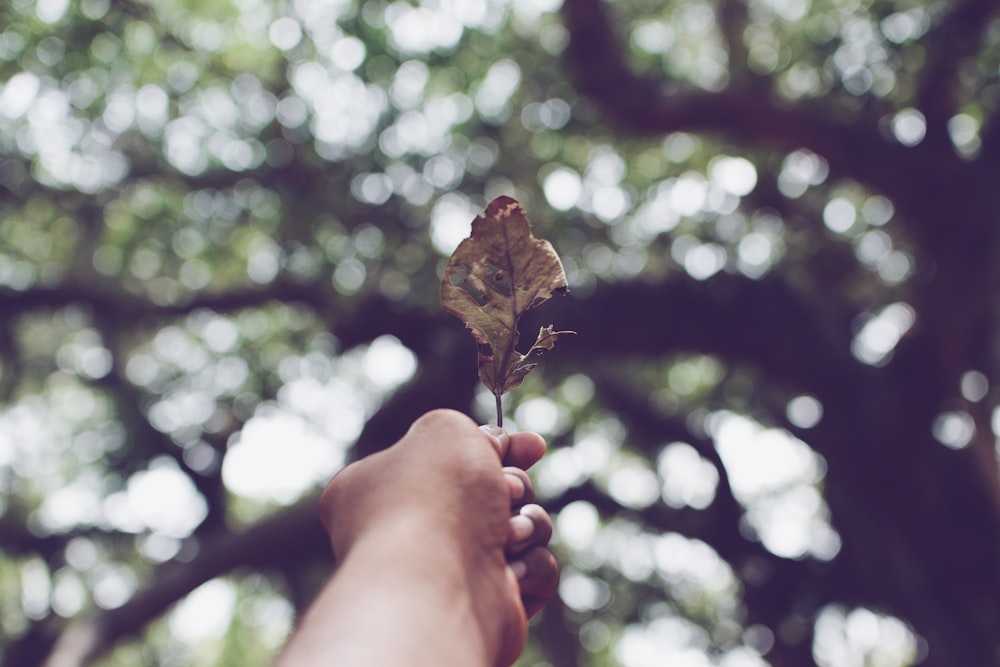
(499,438)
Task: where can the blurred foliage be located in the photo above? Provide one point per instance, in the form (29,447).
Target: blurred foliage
(222,230)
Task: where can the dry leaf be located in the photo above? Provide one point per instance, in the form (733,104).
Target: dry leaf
(495,276)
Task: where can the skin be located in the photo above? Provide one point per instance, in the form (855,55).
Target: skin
(442,556)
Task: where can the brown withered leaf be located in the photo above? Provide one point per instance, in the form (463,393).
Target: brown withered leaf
(495,276)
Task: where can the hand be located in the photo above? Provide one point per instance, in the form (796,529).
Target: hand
(434,513)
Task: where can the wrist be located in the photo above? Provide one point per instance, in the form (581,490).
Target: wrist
(422,591)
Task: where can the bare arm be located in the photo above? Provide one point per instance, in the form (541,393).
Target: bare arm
(441,558)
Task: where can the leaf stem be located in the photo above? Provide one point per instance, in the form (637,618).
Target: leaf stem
(499,412)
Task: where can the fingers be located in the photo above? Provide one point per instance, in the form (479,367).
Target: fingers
(534,566)
(520,450)
(524,450)
(519,487)
(530,527)
(537,573)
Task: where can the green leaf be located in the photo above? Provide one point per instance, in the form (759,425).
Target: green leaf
(495,276)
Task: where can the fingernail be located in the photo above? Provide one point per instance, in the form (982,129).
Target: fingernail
(521,528)
(498,435)
(519,569)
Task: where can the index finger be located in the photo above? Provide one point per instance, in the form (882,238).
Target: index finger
(520,450)
(524,450)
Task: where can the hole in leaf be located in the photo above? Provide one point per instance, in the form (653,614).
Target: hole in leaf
(499,280)
(459,277)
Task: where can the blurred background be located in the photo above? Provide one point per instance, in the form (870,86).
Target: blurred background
(222,230)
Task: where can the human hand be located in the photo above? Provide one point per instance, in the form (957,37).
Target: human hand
(447,509)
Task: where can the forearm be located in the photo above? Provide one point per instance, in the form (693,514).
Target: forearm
(392,602)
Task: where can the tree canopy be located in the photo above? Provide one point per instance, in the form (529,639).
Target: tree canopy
(223,227)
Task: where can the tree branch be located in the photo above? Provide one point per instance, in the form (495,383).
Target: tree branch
(956,37)
(852,146)
(132,308)
(779,330)
(292,535)
(732,19)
